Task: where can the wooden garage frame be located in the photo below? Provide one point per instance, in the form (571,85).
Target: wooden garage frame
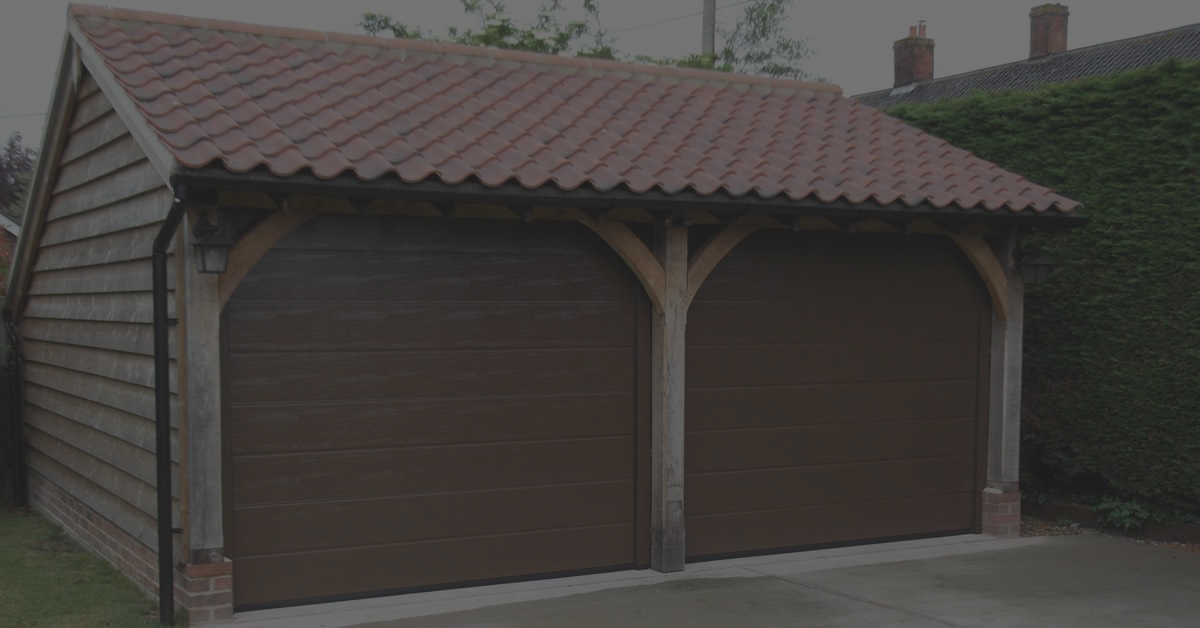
(670,279)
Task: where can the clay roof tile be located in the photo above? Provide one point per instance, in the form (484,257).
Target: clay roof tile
(250,97)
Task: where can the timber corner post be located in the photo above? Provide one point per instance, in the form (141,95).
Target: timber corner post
(1001,496)
(668,337)
(203,575)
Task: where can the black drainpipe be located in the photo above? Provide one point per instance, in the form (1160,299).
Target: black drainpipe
(16,412)
(162,411)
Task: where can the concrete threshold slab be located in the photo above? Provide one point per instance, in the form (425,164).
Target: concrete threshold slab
(357,612)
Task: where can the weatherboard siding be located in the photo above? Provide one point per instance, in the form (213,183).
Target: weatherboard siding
(88,324)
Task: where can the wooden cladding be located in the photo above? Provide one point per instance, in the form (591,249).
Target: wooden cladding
(85,316)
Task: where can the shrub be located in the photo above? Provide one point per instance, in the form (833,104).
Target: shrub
(1112,341)
(1119,514)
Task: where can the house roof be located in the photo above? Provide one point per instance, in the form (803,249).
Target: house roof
(1099,60)
(7,224)
(253,99)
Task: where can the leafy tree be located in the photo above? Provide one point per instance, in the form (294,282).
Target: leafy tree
(16,168)
(757,43)
(548,34)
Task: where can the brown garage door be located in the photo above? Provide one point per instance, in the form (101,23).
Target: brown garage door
(834,395)
(418,403)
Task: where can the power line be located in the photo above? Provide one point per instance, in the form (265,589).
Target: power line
(677,18)
(23,115)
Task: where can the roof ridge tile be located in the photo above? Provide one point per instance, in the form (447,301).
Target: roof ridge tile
(79,11)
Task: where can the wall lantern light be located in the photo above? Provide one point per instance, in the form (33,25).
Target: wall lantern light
(212,248)
(1034,268)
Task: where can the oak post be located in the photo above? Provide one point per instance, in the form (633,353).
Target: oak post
(667,548)
(201,345)
(1004,408)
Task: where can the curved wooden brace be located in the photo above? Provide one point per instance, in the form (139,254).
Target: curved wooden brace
(711,254)
(984,260)
(252,246)
(637,256)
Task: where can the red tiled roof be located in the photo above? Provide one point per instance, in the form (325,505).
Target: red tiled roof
(249,97)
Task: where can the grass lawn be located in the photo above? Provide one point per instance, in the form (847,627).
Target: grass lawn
(47,580)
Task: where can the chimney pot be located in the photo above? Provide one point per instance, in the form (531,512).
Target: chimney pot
(913,56)
(1047,29)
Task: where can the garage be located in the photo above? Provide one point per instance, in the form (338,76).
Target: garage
(418,403)
(836,393)
(368,316)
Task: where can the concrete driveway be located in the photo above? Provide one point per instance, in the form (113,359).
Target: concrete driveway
(975,581)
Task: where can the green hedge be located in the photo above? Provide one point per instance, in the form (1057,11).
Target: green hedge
(1112,341)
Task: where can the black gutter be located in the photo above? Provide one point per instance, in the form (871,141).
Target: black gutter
(584,197)
(162,411)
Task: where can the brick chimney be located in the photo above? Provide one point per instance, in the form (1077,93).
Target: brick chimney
(1047,29)
(914,56)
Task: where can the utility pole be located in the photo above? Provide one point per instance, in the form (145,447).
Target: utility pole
(708,47)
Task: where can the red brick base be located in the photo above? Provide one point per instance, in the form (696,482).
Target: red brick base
(204,592)
(95,533)
(1001,513)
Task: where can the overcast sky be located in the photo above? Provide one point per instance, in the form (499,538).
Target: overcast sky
(852,38)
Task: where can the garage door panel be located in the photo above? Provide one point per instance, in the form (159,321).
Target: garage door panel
(286,528)
(310,326)
(334,276)
(774,365)
(826,444)
(284,427)
(833,393)
(799,404)
(765,489)
(417,403)
(829,323)
(861,268)
(750,532)
(378,570)
(323,376)
(278,478)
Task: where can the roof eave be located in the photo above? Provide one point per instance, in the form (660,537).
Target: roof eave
(589,198)
(54,134)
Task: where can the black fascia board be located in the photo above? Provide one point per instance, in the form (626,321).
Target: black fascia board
(585,197)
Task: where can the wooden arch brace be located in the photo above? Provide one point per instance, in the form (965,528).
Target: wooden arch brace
(984,260)
(251,247)
(649,270)
(706,259)
(637,256)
